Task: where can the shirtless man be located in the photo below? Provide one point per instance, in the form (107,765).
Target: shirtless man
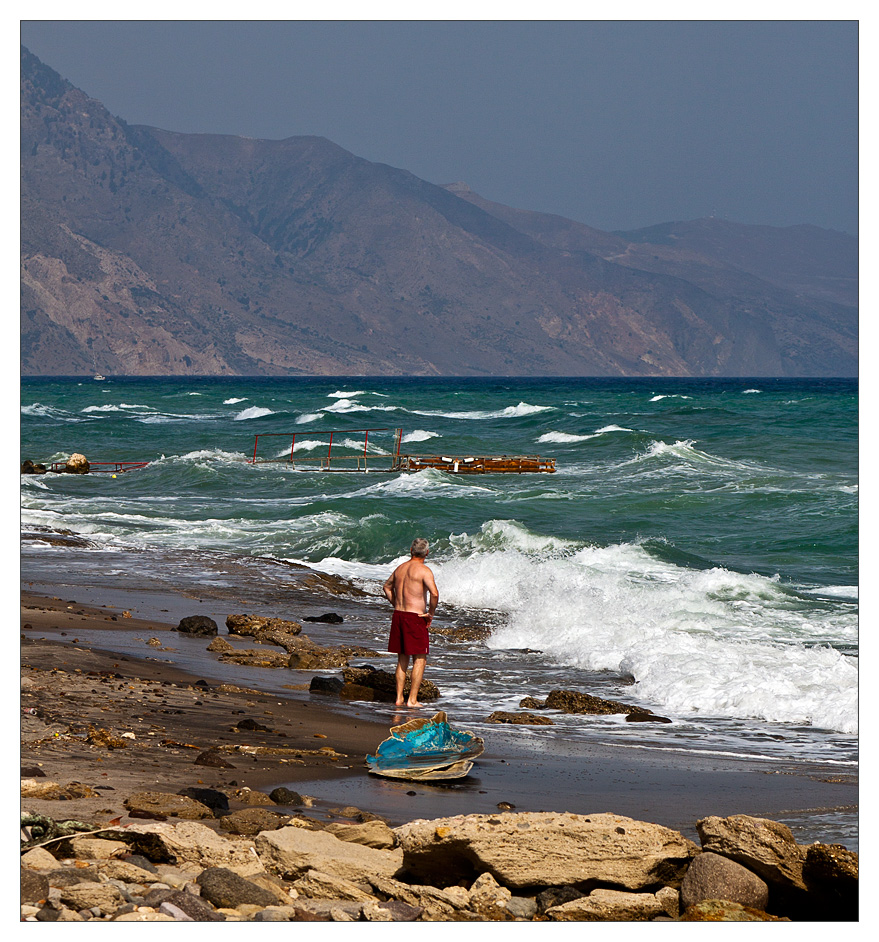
(411,589)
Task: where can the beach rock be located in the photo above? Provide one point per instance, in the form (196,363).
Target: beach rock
(225,888)
(556,896)
(329,618)
(95,848)
(286,796)
(646,717)
(252,657)
(29,467)
(358,692)
(77,464)
(670,900)
(534,849)
(187,907)
(462,634)
(436,904)
(257,626)
(124,871)
(327,685)
(212,798)
(306,655)
(765,847)
(489,899)
(374,834)
(317,885)
(38,859)
(170,806)
(291,852)
(605,905)
(249,796)
(722,910)
(199,626)
(391,911)
(34,886)
(830,872)
(212,759)
(532,703)
(713,877)
(54,791)
(220,646)
(250,821)
(572,701)
(188,842)
(519,719)
(385,685)
(104,896)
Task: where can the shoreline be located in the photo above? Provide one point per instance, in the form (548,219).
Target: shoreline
(80,685)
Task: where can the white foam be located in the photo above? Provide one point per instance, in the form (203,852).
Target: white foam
(234,400)
(418,435)
(713,643)
(669,396)
(564,438)
(254,412)
(341,394)
(307,417)
(510,412)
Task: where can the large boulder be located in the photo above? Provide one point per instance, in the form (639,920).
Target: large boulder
(189,842)
(77,464)
(765,847)
(542,849)
(291,852)
(256,626)
(831,874)
(713,877)
(572,701)
(199,626)
(170,806)
(226,889)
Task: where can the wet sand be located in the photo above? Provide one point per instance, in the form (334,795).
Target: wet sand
(176,715)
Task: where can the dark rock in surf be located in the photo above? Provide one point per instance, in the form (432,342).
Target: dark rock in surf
(572,701)
(519,719)
(532,703)
(329,618)
(462,634)
(199,626)
(384,684)
(28,467)
(327,685)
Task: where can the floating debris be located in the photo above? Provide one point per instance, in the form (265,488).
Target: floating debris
(425,749)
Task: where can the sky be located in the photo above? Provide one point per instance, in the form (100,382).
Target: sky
(618,124)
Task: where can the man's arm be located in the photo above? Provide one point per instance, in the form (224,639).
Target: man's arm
(388,588)
(430,587)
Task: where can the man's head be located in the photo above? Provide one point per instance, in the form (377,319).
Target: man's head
(420,546)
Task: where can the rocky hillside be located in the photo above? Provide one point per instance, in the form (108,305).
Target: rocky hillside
(150,252)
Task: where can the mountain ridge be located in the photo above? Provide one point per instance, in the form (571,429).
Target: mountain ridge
(153,252)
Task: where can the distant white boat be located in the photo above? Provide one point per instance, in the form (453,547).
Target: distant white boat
(98,376)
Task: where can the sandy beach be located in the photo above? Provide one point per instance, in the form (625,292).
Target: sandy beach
(168,717)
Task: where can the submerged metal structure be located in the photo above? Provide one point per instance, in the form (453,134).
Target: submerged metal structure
(355,459)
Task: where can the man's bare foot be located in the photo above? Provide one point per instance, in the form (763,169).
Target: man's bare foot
(400,703)
(414,706)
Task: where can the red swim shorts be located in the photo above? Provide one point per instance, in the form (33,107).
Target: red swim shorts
(408,634)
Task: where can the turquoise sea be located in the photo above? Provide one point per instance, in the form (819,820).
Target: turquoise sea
(696,551)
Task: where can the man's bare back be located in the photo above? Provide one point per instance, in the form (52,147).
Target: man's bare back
(412,588)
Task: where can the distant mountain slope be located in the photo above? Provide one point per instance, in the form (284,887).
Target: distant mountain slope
(152,252)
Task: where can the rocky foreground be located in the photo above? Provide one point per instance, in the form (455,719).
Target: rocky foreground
(149,797)
(507,867)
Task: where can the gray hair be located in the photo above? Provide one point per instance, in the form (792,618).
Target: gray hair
(419,547)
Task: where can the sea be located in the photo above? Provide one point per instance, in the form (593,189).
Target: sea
(695,551)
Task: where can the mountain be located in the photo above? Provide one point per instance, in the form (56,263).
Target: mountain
(146,251)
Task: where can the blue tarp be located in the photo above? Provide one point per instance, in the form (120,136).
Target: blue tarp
(424,744)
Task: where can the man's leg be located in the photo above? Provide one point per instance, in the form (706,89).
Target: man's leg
(400,676)
(418,663)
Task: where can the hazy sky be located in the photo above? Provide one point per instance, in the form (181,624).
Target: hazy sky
(613,123)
